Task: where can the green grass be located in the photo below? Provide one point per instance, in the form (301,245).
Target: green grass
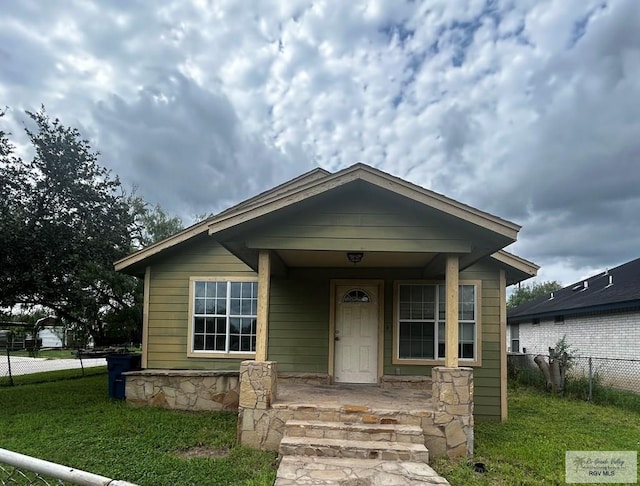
(73,422)
(529,449)
(47,353)
(578,388)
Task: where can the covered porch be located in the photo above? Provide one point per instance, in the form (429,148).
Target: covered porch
(282,415)
(358,401)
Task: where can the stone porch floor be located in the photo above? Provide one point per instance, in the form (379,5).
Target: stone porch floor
(337,396)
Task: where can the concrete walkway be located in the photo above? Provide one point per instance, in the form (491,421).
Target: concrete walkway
(337,471)
(25,366)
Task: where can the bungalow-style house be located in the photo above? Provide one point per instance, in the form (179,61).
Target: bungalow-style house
(600,316)
(327,281)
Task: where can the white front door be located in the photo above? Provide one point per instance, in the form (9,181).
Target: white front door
(356,334)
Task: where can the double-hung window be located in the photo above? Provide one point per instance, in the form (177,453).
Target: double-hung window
(421,319)
(224,316)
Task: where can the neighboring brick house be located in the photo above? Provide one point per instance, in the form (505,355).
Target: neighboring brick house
(600,317)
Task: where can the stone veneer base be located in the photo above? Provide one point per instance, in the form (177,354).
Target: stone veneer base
(194,390)
(444,434)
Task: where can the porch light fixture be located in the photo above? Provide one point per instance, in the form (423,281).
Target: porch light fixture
(355,256)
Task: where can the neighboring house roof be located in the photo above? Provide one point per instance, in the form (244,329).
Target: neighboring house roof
(614,289)
(319,181)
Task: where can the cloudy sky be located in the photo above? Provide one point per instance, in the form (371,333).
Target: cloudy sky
(527,109)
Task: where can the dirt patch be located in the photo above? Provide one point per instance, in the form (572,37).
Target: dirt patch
(202,451)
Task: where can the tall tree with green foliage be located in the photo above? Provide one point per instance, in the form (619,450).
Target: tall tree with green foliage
(527,293)
(152,223)
(64,220)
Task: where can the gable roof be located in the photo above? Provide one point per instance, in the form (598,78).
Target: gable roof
(306,178)
(271,202)
(517,268)
(314,183)
(202,226)
(614,289)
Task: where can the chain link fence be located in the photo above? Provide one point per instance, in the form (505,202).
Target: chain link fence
(19,469)
(619,374)
(10,475)
(19,366)
(586,374)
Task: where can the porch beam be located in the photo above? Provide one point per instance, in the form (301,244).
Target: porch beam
(264,281)
(451,284)
(359,244)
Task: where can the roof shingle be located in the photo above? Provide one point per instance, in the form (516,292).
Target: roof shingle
(618,287)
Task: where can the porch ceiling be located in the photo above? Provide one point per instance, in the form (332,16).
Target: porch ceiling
(371,259)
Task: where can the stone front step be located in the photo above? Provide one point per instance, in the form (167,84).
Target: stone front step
(411,434)
(357,449)
(335,471)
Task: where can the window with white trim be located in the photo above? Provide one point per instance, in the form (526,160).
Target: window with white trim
(224,316)
(421,321)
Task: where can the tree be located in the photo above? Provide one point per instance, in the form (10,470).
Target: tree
(527,293)
(64,221)
(152,223)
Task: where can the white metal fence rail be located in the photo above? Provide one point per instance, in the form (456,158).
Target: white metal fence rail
(26,470)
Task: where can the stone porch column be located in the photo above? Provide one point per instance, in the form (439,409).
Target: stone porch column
(453,405)
(451,322)
(258,382)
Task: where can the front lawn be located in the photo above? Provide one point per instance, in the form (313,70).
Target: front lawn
(73,422)
(529,449)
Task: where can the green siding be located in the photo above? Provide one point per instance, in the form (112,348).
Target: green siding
(487,377)
(169,303)
(368,222)
(299,317)
(299,324)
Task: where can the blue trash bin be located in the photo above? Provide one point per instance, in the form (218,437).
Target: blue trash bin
(116,365)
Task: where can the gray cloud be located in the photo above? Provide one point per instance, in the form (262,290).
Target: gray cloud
(184,146)
(525,109)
